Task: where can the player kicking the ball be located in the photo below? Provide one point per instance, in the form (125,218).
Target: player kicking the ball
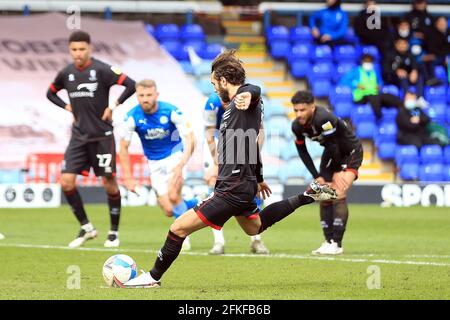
(240,174)
(214,110)
(87,81)
(164,133)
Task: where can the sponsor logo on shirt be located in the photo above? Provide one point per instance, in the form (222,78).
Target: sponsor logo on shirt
(90,87)
(157,133)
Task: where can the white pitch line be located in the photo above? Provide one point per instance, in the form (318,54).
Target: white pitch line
(238,255)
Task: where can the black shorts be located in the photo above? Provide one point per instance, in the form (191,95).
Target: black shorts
(81,155)
(230,198)
(350,162)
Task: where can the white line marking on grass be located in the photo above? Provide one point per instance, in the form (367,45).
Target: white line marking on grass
(237,255)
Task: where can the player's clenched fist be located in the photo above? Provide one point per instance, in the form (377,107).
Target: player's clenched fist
(242,100)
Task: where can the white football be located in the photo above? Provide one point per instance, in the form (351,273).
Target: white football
(118,269)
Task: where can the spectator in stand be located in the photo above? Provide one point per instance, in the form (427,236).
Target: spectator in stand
(419,19)
(412,123)
(367,32)
(424,61)
(329,26)
(401,68)
(365,82)
(437,42)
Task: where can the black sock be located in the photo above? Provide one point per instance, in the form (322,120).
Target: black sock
(168,253)
(76,204)
(114,204)
(340,220)
(279,210)
(326,219)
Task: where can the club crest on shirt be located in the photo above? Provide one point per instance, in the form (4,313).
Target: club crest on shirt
(93,75)
(163,120)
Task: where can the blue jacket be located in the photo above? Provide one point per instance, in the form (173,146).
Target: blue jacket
(333,22)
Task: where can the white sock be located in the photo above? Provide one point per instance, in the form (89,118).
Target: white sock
(218,236)
(116,233)
(187,240)
(88,227)
(256,238)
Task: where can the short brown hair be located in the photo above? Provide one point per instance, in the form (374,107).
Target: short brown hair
(227,65)
(146,83)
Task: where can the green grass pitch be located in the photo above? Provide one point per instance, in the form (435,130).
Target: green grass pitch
(409,249)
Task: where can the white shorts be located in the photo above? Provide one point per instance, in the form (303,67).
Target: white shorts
(161,172)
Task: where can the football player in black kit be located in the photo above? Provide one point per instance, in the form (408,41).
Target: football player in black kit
(87,81)
(341,159)
(239,175)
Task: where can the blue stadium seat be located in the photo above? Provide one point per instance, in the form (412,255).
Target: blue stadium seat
(441,73)
(315,150)
(365,129)
(431,154)
(447,172)
(448,114)
(150,29)
(345,53)
(406,154)
(280,49)
(342,69)
(298,59)
(294,170)
(191,32)
(300,51)
(448,96)
(447,154)
(211,51)
(321,71)
(343,109)
(363,112)
(389,114)
(290,152)
(174,47)
(437,112)
(187,67)
(435,94)
(301,34)
(277,33)
(274,109)
(392,89)
(205,86)
(321,53)
(409,171)
(372,50)
(299,68)
(387,132)
(271,173)
(386,150)
(341,94)
(166,32)
(431,172)
(321,88)
(276,145)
